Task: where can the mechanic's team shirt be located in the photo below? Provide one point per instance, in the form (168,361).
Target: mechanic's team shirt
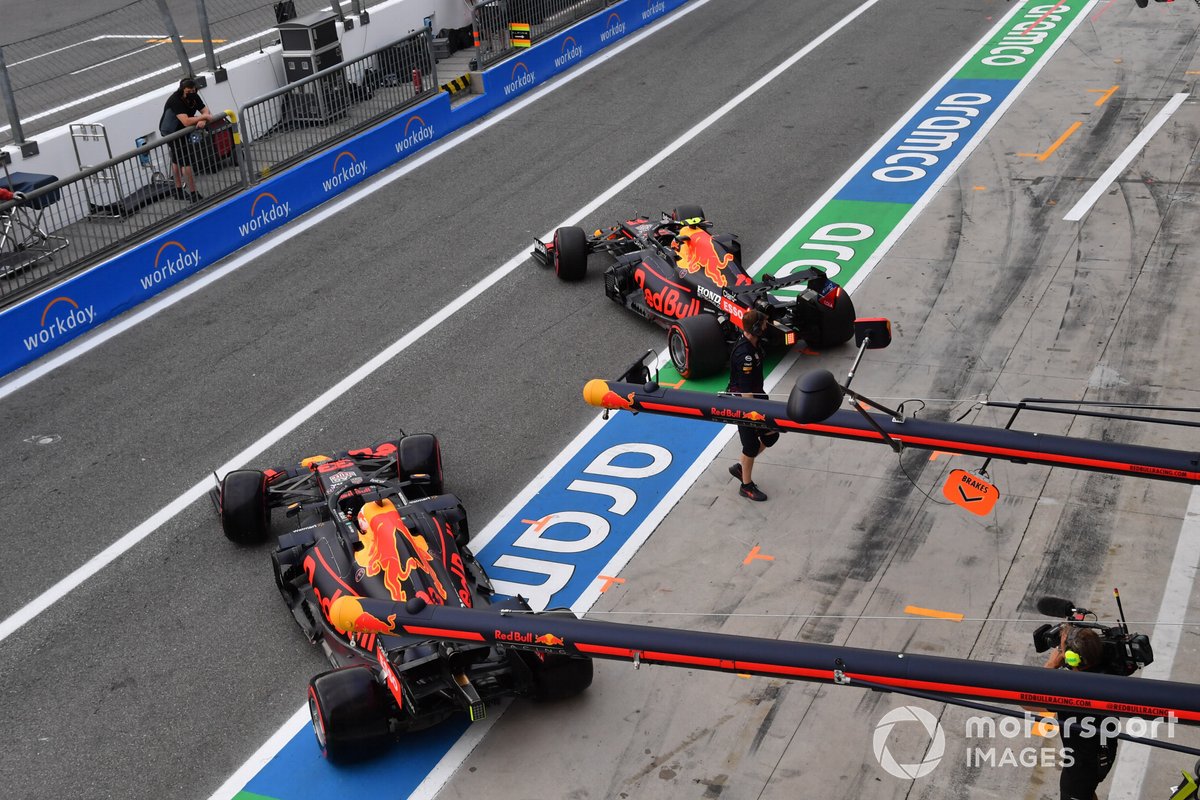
(746,368)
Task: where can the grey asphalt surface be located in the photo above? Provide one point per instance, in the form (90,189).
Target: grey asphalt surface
(178,660)
(89,56)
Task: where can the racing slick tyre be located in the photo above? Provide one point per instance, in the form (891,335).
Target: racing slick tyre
(834,325)
(420,455)
(349,713)
(245,516)
(570,254)
(556,676)
(688,211)
(697,346)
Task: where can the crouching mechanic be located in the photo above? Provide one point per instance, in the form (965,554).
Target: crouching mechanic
(746,379)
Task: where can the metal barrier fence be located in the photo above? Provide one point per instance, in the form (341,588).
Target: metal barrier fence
(53,78)
(505,27)
(288,124)
(55,227)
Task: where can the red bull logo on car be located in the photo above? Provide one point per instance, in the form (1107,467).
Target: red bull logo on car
(347,615)
(346,169)
(699,254)
(380,527)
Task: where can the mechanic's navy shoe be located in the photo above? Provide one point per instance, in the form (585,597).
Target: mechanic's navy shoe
(751,491)
(736,471)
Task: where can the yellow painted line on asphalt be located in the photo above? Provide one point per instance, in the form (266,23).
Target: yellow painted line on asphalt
(1043,156)
(1107,93)
(932,613)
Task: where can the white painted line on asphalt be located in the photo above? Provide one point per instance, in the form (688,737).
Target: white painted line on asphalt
(445,767)
(1085,203)
(46,599)
(317,216)
(1132,761)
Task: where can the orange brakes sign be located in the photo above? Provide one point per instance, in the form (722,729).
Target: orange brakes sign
(971,492)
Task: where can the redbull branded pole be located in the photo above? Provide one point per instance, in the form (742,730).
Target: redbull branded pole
(860,425)
(938,677)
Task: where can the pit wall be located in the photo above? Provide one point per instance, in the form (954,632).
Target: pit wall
(39,325)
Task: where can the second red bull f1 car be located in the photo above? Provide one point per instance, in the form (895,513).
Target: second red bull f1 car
(376,524)
(676,273)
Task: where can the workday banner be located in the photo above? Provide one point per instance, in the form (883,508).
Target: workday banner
(39,325)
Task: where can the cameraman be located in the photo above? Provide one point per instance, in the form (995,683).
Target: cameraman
(1091,744)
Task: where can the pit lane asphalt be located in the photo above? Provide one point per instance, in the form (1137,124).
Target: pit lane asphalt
(159,675)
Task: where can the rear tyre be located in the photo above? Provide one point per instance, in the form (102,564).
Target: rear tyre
(420,459)
(833,326)
(688,211)
(570,254)
(557,677)
(697,346)
(349,713)
(245,517)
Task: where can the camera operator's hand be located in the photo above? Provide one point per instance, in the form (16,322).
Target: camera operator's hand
(1057,660)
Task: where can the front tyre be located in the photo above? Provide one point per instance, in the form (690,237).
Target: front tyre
(245,516)
(697,346)
(349,714)
(570,254)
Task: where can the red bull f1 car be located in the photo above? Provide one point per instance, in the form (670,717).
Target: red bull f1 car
(375,524)
(676,273)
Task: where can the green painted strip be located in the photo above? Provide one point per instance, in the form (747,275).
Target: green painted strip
(1022,44)
(244,795)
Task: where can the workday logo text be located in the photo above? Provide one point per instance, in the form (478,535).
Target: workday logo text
(346,168)
(416,133)
(518,82)
(614,27)
(265,212)
(61,317)
(571,51)
(171,260)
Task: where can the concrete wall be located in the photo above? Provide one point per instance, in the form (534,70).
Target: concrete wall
(249,77)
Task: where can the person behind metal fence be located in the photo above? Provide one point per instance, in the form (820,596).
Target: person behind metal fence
(183,108)
(746,378)
(1088,739)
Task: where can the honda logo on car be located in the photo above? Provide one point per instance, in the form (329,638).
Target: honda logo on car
(272,211)
(65,320)
(168,263)
(412,138)
(346,173)
(709,295)
(571,51)
(526,78)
